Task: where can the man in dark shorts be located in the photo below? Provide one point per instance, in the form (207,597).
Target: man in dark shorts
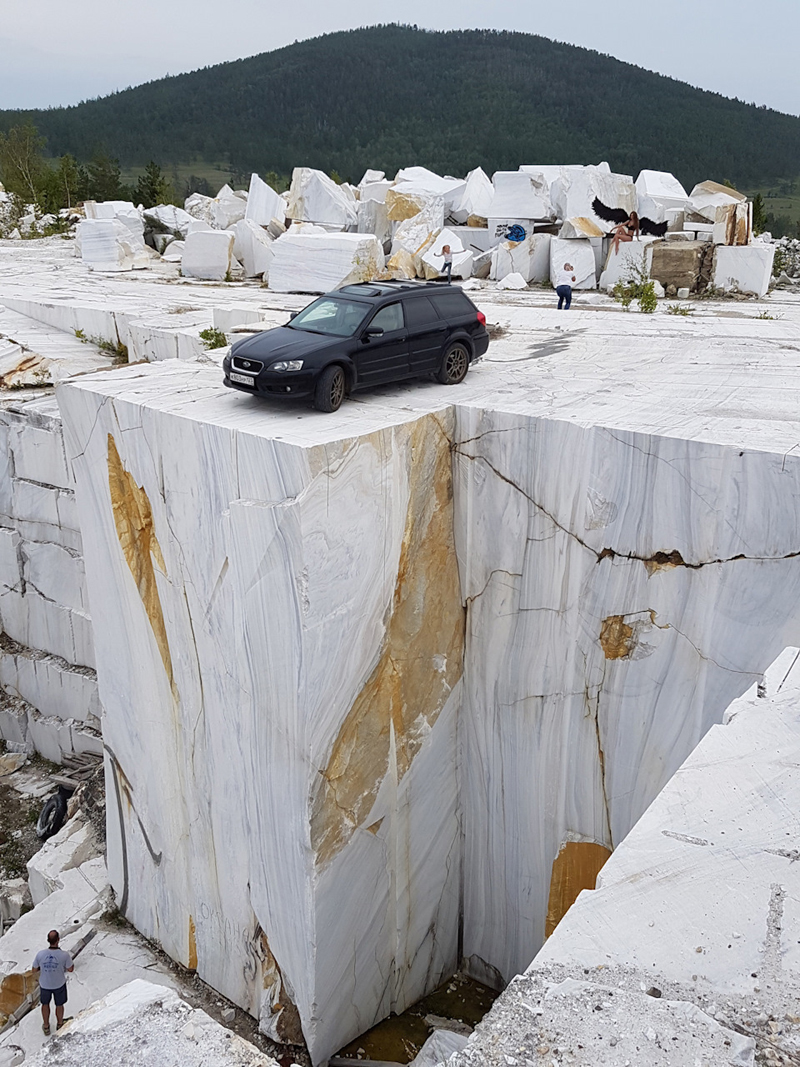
(53,963)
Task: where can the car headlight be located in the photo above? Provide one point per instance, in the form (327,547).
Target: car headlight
(288,364)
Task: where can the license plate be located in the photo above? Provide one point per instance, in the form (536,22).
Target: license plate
(243,379)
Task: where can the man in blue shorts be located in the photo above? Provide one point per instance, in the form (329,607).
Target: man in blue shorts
(53,963)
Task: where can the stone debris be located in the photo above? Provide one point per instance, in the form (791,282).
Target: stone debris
(73,845)
(512,281)
(317,262)
(208,255)
(141,1022)
(316,198)
(438,1048)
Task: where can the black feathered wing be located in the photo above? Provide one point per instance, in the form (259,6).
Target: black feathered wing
(609,214)
(654,229)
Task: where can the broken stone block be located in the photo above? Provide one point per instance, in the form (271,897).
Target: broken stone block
(208,255)
(169,219)
(371,176)
(228,207)
(529,258)
(174,252)
(375,191)
(476,200)
(109,245)
(200,207)
(415,234)
(373,218)
(746,270)
(733,224)
(438,1048)
(630,262)
(415,187)
(512,281)
(252,247)
(706,197)
(314,197)
(580,254)
(73,845)
(519,195)
(574,190)
(657,193)
(15,898)
(318,262)
(581,226)
(263,203)
(679,263)
(122,210)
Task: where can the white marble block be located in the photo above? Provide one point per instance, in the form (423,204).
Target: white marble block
(169,218)
(520,195)
(580,254)
(109,245)
(208,254)
(318,262)
(633,259)
(706,197)
(228,207)
(295,632)
(263,203)
(575,188)
(253,247)
(658,193)
(747,268)
(529,258)
(122,210)
(314,197)
(477,198)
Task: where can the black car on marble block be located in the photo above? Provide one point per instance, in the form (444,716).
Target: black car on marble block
(359,336)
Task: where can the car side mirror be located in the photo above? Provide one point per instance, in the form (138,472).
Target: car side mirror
(293,315)
(373,331)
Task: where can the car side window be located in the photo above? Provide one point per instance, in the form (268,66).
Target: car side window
(420,311)
(452,305)
(388,319)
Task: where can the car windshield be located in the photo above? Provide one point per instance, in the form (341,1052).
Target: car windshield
(331,315)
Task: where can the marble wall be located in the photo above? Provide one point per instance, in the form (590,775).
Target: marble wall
(622,589)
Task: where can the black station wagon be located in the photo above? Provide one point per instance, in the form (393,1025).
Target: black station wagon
(362,335)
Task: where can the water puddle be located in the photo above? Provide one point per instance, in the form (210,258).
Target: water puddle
(400,1037)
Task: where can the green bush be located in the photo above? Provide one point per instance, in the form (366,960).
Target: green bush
(212,338)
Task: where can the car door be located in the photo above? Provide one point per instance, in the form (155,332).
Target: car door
(382,358)
(426,335)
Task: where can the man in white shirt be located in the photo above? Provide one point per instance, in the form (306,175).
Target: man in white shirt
(565,279)
(53,963)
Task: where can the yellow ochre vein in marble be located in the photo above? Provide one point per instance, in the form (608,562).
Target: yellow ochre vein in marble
(576,867)
(421,659)
(133,518)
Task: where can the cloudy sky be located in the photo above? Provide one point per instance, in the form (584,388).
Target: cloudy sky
(52,52)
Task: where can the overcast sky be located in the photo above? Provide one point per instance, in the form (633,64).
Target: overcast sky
(56,52)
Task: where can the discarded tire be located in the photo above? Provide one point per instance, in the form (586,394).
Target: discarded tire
(51,818)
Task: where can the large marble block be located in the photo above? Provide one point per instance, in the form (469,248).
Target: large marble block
(281,730)
(574,190)
(208,254)
(641,583)
(658,193)
(746,268)
(706,197)
(476,200)
(630,262)
(414,187)
(318,262)
(252,247)
(580,254)
(263,203)
(314,197)
(108,245)
(520,195)
(529,258)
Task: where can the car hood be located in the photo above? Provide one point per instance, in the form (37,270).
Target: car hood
(282,343)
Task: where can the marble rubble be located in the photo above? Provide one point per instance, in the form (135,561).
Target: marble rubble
(695,912)
(318,262)
(144,1022)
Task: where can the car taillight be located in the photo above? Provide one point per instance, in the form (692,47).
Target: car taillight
(481,318)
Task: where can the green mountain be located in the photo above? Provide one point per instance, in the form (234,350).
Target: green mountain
(389,96)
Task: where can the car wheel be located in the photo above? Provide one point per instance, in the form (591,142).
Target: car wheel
(454,365)
(329,392)
(51,818)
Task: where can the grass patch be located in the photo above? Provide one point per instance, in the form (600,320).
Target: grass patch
(212,338)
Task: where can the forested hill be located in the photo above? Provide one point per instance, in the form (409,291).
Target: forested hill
(389,96)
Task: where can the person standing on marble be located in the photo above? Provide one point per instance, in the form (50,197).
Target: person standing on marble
(564,282)
(52,964)
(447,267)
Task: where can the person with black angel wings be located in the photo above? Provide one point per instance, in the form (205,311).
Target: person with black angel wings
(627,225)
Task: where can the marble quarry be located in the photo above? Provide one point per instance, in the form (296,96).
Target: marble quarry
(381,693)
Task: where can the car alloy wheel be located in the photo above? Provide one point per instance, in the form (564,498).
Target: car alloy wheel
(454,365)
(329,392)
